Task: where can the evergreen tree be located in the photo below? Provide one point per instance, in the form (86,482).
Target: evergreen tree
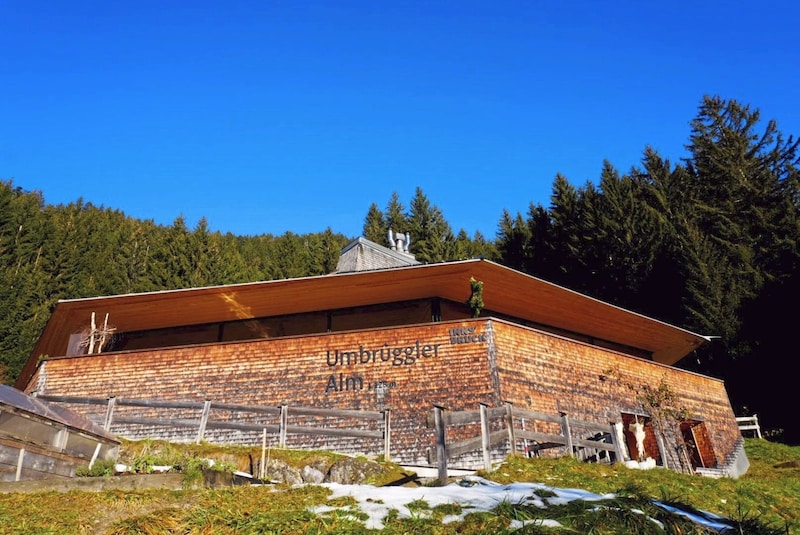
(627,238)
(744,210)
(375,225)
(24,298)
(480,247)
(395,215)
(173,268)
(136,251)
(513,242)
(543,262)
(574,231)
(256,253)
(68,257)
(325,248)
(215,259)
(432,238)
(465,247)
(666,197)
(292,255)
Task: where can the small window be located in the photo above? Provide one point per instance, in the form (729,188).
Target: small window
(76,345)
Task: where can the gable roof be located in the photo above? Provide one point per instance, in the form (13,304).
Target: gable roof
(505,291)
(362,254)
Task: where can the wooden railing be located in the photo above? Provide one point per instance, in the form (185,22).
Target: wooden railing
(441,419)
(204,421)
(749,423)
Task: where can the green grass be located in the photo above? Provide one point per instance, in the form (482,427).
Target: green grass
(766,500)
(768,492)
(142,455)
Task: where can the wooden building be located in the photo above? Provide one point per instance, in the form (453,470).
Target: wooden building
(385,332)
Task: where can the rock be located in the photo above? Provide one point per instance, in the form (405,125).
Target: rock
(312,475)
(216,479)
(281,472)
(352,471)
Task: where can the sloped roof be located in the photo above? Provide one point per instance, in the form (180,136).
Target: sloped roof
(362,254)
(20,401)
(505,291)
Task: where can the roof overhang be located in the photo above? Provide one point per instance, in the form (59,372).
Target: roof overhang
(505,291)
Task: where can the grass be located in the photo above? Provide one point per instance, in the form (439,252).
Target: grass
(142,455)
(766,500)
(768,492)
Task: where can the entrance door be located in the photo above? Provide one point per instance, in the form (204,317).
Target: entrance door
(690,441)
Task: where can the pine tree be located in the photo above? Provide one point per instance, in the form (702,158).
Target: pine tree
(480,247)
(325,248)
(541,245)
(173,268)
(665,192)
(432,238)
(513,242)
(292,255)
(25,299)
(395,214)
(744,208)
(573,213)
(375,225)
(136,254)
(627,238)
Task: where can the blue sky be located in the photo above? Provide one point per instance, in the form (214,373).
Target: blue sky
(273,116)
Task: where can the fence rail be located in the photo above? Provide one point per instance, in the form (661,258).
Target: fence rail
(204,421)
(749,423)
(603,436)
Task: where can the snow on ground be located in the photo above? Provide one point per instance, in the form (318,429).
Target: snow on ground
(473,494)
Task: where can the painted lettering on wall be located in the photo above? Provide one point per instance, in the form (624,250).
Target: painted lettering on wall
(466,335)
(353,383)
(404,355)
(396,356)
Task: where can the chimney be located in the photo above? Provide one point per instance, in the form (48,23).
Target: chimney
(399,242)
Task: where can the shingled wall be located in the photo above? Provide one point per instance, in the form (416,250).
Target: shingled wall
(456,365)
(595,384)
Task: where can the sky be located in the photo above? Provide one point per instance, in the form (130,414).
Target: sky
(271,116)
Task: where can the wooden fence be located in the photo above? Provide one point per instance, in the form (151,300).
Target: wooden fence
(749,423)
(602,436)
(204,422)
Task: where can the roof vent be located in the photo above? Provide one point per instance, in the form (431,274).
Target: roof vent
(399,242)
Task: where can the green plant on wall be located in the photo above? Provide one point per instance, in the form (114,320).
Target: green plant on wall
(662,404)
(475,300)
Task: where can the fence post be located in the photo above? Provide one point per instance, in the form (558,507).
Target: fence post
(20,459)
(263,472)
(387,435)
(487,462)
(618,452)
(112,402)
(95,454)
(441,446)
(203,421)
(512,437)
(565,429)
(283,425)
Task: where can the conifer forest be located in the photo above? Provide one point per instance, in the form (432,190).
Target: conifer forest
(708,243)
